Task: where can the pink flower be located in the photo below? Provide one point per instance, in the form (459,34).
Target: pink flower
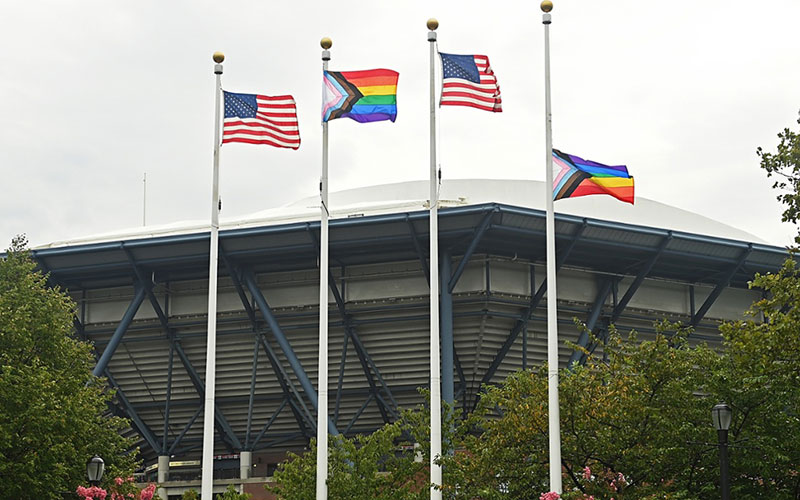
(587,473)
(92,493)
(119,481)
(551,495)
(148,492)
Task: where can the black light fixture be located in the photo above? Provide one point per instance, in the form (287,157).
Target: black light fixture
(721,415)
(94,470)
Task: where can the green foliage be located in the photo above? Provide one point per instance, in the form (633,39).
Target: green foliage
(631,427)
(51,420)
(384,465)
(759,377)
(785,164)
(231,494)
(190,495)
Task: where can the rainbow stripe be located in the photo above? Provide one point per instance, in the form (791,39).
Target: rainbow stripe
(573,176)
(363,96)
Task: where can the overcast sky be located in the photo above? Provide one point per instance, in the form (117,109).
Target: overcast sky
(94,94)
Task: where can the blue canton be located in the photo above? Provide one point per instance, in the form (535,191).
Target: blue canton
(456,66)
(240,105)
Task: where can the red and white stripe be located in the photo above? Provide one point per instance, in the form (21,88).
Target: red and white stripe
(485,95)
(275,124)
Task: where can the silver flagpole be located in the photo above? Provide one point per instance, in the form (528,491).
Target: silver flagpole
(322,390)
(436,377)
(552,317)
(211,342)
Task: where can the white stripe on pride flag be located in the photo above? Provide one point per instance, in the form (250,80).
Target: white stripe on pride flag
(274,122)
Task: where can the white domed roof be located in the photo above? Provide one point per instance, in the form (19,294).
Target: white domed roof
(413,196)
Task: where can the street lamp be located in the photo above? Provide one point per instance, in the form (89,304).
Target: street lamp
(721,415)
(94,470)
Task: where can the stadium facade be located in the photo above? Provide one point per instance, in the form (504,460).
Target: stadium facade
(142,301)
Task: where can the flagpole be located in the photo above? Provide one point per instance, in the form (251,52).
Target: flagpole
(436,377)
(211,342)
(552,316)
(322,390)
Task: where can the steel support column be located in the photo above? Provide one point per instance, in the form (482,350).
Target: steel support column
(446,329)
(366,360)
(721,285)
(127,318)
(164,444)
(225,430)
(583,340)
(637,282)
(286,347)
(290,393)
(473,244)
(142,427)
(522,321)
(420,252)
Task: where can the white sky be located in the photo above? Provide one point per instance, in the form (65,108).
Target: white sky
(95,93)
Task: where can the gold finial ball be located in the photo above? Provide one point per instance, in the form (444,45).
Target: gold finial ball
(433,24)
(546,6)
(218,57)
(326,43)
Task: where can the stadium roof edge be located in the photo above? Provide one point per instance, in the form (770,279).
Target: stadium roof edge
(402,216)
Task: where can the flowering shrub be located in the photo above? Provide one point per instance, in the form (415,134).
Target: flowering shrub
(119,489)
(91,493)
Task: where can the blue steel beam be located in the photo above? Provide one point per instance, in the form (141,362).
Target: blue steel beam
(340,381)
(143,429)
(476,238)
(253,374)
(185,429)
(623,303)
(583,340)
(296,404)
(286,347)
(634,286)
(127,318)
(523,319)
(164,446)
(418,247)
(366,360)
(224,428)
(446,329)
(268,424)
(721,285)
(221,422)
(358,413)
(303,416)
(237,285)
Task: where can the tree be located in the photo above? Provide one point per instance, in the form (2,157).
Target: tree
(51,408)
(631,427)
(785,164)
(384,465)
(759,377)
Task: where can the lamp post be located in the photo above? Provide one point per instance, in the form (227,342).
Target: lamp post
(721,415)
(94,470)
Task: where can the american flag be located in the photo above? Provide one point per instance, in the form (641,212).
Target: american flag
(260,119)
(468,80)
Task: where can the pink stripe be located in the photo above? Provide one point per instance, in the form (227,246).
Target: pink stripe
(564,169)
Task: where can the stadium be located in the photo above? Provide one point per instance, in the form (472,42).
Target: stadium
(142,299)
